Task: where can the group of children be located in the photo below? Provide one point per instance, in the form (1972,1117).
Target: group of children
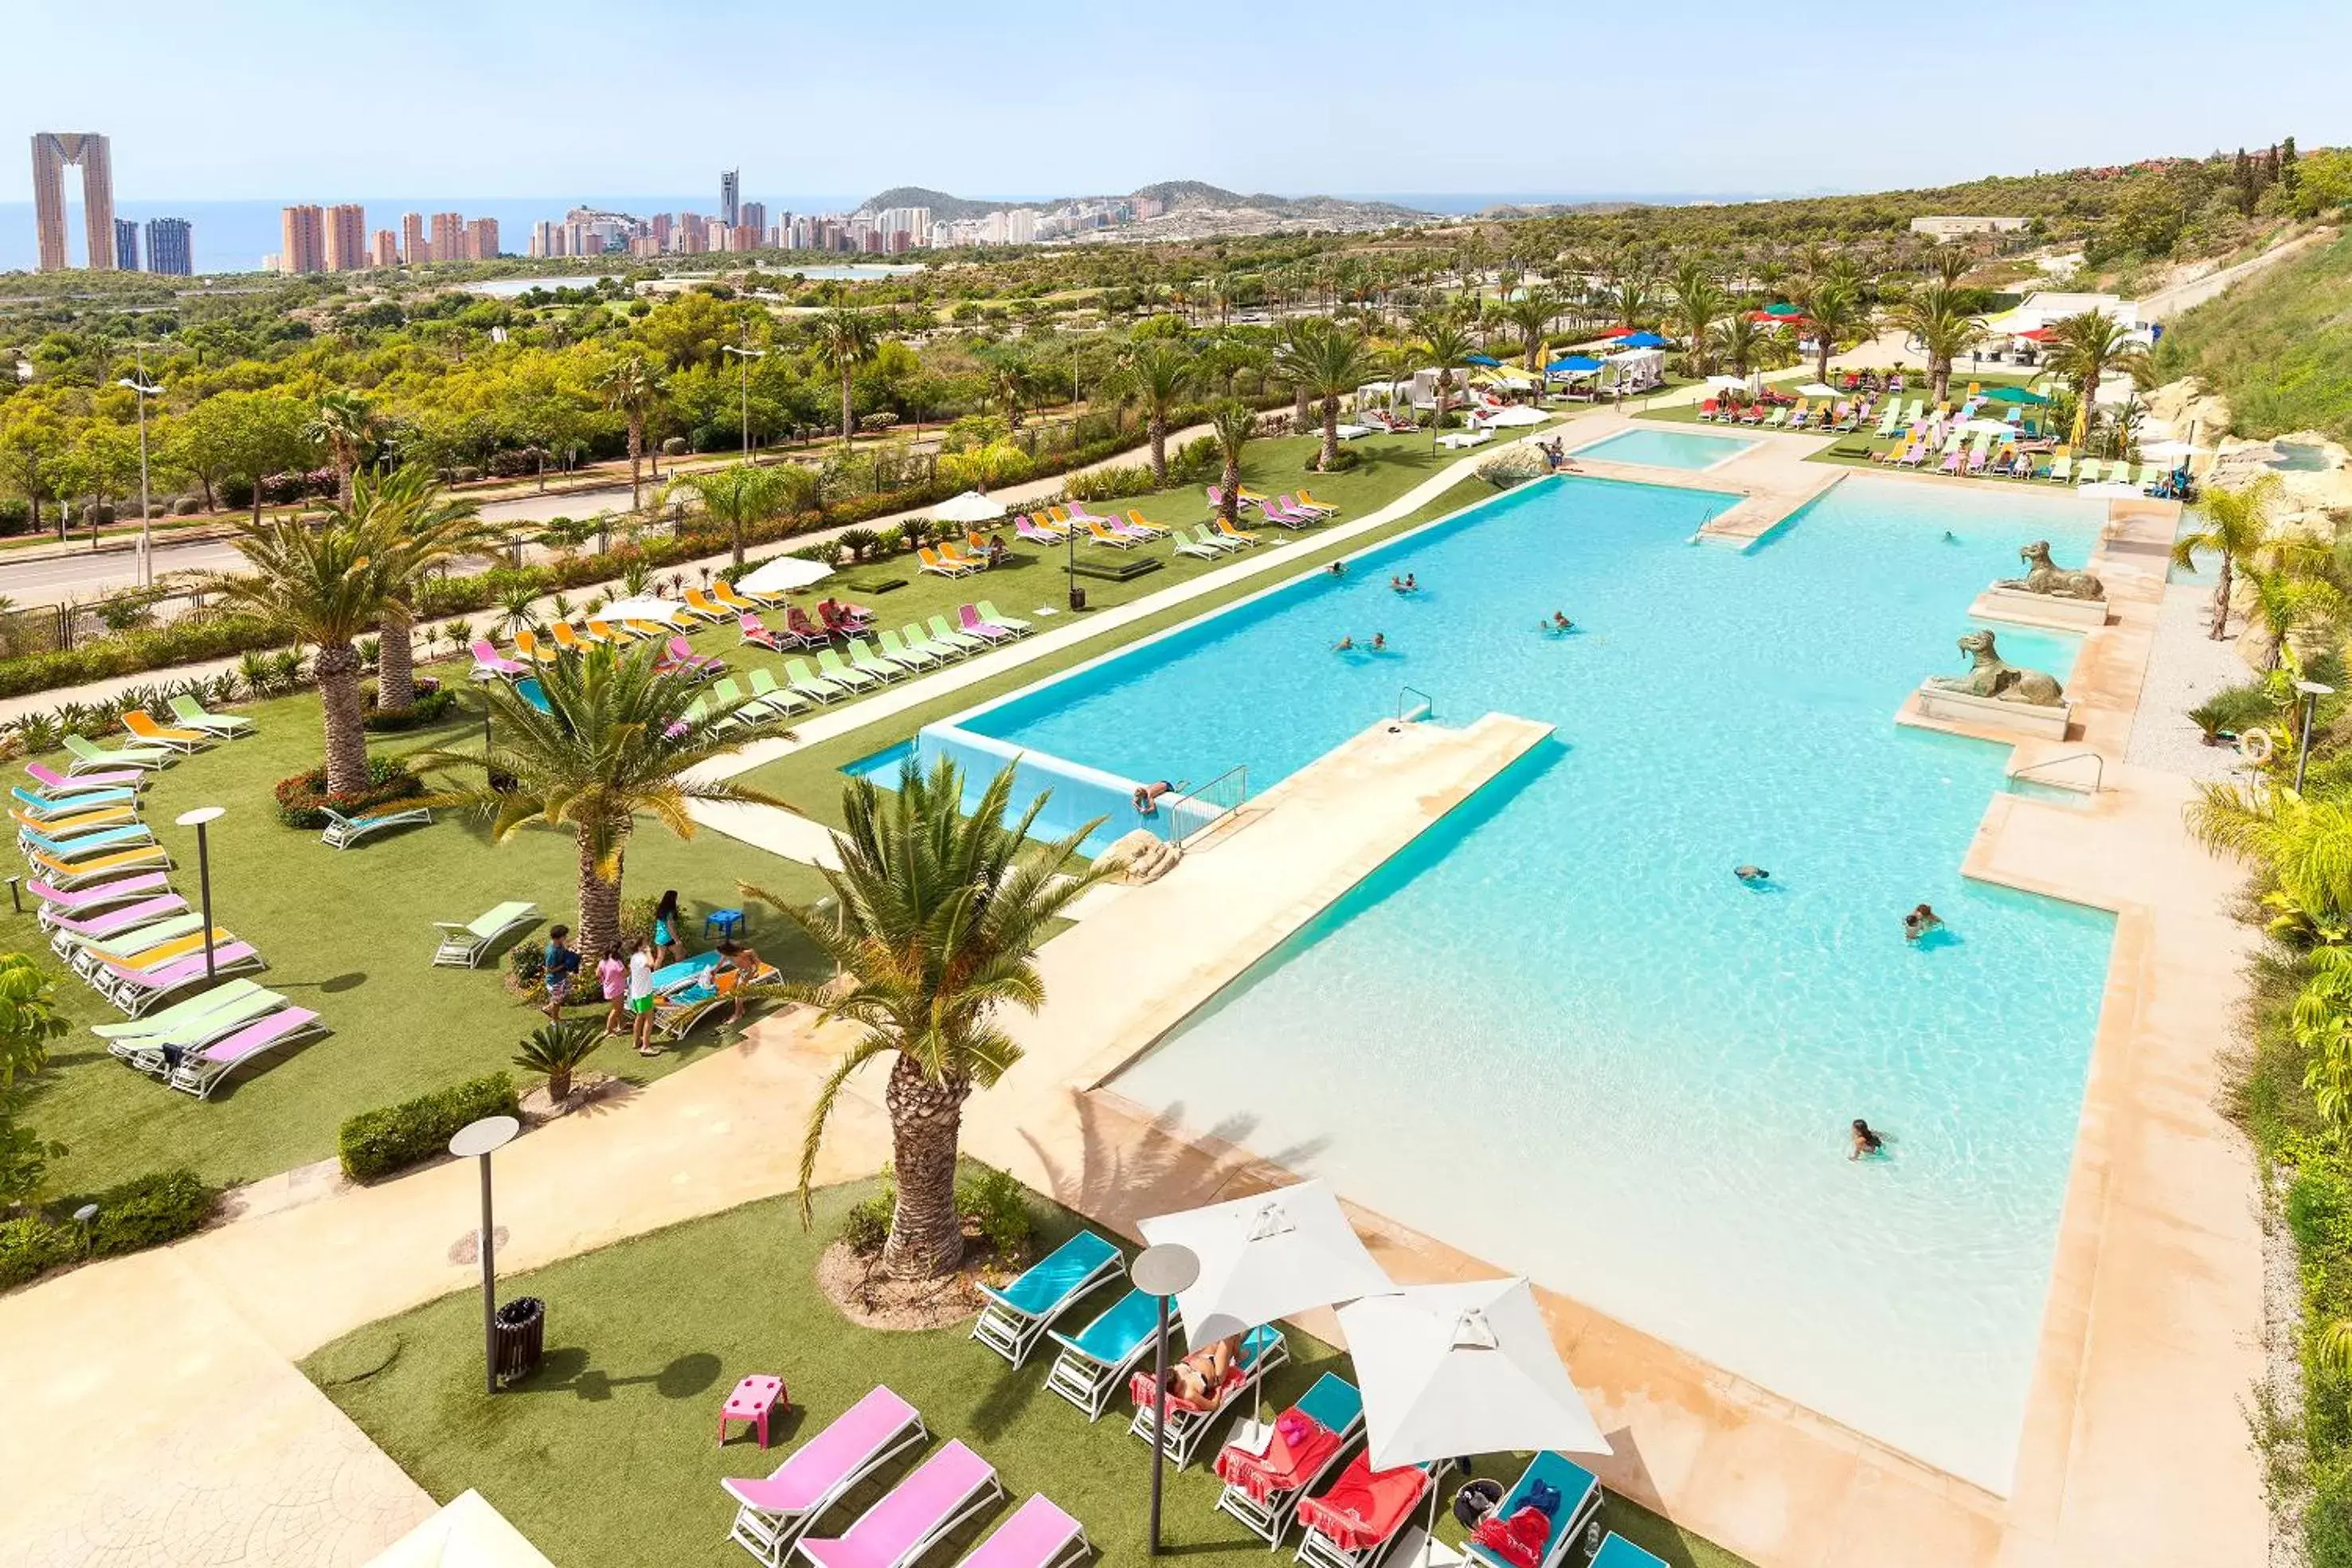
(626,974)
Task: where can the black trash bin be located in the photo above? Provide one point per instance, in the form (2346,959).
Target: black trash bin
(521,1332)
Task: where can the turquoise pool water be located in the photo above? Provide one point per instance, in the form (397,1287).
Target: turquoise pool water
(1558,1034)
(1666,449)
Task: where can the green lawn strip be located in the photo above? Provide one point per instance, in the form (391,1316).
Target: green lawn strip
(607,1453)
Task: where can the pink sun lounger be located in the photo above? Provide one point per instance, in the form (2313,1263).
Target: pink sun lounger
(136,990)
(947,1489)
(1038,1535)
(201,1072)
(54,783)
(969,618)
(771,1514)
(109,923)
(59,903)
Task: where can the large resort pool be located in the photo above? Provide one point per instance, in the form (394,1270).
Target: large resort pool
(1559,1035)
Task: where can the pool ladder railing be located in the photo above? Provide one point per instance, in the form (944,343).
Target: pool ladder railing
(1222,797)
(1409,710)
(2098,773)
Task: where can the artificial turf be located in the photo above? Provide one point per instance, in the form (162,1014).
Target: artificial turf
(607,1453)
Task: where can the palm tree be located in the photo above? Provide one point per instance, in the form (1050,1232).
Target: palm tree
(1748,345)
(1834,311)
(1699,303)
(1232,424)
(936,916)
(1944,328)
(2237,527)
(1447,345)
(1159,375)
(1627,295)
(328,586)
(420,531)
(845,338)
(619,739)
(1531,314)
(630,388)
(2089,348)
(2287,600)
(1328,362)
(741,494)
(347,427)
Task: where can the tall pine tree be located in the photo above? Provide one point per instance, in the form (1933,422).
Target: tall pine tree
(2287,175)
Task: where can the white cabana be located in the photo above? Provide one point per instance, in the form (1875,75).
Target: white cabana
(1266,1256)
(1633,370)
(661,611)
(971,507)
(784,574)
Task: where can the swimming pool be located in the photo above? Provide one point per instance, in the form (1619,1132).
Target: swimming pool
(1666,448)
(1559,1035)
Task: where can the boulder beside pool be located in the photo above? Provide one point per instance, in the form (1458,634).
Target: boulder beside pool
(1140,857)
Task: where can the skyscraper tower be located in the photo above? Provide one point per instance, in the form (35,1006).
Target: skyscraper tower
(53,153)
(731,194)
(169,249)
(126,246)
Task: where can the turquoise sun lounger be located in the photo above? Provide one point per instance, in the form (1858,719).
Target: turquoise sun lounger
(1095,1362)
(1017,1317)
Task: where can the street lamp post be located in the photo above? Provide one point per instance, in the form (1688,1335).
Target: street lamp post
(146,531)
(747,354)
(199,818)
(1165,1271)
(2311,692)
(480,1140)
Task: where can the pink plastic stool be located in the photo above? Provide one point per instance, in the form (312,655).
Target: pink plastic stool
(755,1399)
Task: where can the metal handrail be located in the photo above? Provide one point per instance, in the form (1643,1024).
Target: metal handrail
(2098,776)
(1239,772)
(1428,703)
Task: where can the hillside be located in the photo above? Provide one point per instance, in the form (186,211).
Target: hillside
(1177,195)
(2278,346)
(944,207)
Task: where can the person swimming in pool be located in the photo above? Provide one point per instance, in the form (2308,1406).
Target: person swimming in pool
(1752,875)
(1380,642)
(1344,645)
(1147,797)
(1558,623)
(1863,1141)
(1919,922)
(1338,569)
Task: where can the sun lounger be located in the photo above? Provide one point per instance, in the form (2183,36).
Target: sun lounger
(60,903)
(935,563)
(831,665)
(970,622)
(200,1072)
(702,607)
(1024,528)
(1456,441)
(1365,1514)
(1264,1489)
(943,632)
(1300,506)
(1218,542)
(778,702)
(109,923)
(465,947)
(686,992)
(155,1044)
(952,556)
(1136,523)
(680,658)
(135,991)
(864,656)
(78,816)
(489,664)
(228,726)
(86,840)
(87,756)
(57,786)
(1616,1552)
(145,727)
(1225,530)
(1325,507)
(944,1490)
(919,640)
(1262,1350)
(567,640)
(1037,1535)
(343,831)
(2062,469)
(1580,1499)
(70,875)
(915,656)
(1016,1317)
(755,632)
(727,594)
(1097,534)
(1185,545)
(612,636)
(810,685)
(771,1514)
(1096,1363)
(527,644)
(1280,512)
(155,944)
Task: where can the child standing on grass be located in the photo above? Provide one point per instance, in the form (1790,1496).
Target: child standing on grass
(561,965)
(641,997)
(613,978)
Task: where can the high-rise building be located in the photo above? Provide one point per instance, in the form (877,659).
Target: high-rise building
(304,246)
(170,249)
(53,153)
(347,237)
(126,246)
(448,236)
(753,215)
(730,191)
(545,237)
(384,250)
(660,228)
(482,240)
(743,236)
(414,248)
(1021,227)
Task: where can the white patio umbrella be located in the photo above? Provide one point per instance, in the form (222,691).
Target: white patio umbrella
(1518,413)
(1462,1369)
(971,507)
(1266,1256)
(659,611)
(784,574)
(1817,389)
(2169,451)
(1718,384)
(1989,427)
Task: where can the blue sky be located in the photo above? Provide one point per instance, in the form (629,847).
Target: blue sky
(288,99)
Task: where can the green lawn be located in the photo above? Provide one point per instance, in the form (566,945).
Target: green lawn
(608,1455)
(351,934)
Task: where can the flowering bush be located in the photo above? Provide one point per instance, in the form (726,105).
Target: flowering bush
(300,798)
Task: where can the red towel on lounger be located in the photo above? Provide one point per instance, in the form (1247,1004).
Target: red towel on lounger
(1287,1463)
(1364,1507)
(1519,1540)
(1142,1389)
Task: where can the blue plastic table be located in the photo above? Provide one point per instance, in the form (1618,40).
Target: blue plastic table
(729,922)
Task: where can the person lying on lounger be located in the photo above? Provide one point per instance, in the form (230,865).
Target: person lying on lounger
(1199,1376)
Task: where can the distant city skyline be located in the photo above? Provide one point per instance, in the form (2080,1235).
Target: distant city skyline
(1634,103)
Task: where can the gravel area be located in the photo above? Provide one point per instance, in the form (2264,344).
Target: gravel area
(2184,668)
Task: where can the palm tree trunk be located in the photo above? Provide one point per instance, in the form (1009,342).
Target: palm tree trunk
(1328,458)
(1229,503)
(2221,600)
(1298,415)
(848,413)
(926,1121)
(636,456)
(1159,427)
(600,903)
(396,662)
(1940,369)
(337,672)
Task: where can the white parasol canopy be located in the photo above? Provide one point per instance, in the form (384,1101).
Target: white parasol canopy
(663,611)
(784,574)
(1463,1369)
(1266,1256)
(971,507)
(1817,389)
(2166,451)
(1719,384)
(1518,413)
(1989,427)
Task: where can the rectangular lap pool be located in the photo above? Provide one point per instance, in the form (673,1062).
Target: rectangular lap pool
(1559,1034)
(1665,449)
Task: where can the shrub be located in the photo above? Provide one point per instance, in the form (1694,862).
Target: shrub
(146,1211)
(867,1224)
(376,1144)
(2232,709)
(300,798)
(1110,484)
(859,542)
(433,703)
(999,1206)
(556,1050)
(31,1247)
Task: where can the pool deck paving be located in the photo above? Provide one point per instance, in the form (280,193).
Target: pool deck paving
(2134,1449)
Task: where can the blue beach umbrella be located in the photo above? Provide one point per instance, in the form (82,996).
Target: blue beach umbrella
(1643,340)
(1572,365)
(1480,359)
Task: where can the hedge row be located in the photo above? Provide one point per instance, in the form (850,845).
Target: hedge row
(378,1142)
(145,1211)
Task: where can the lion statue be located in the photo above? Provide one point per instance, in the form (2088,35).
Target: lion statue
(1988,676)
(2041,577)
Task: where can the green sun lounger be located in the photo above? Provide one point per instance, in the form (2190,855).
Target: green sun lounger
(943,632)
(995,617)
(88,755)
(811,684)
(223,1010)
(772,697)
(465,947)
(912,655)
(830,666)
(343,831)
(179,1015)
(190,712)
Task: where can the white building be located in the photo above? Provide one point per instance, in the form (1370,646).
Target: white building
(1961,227)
